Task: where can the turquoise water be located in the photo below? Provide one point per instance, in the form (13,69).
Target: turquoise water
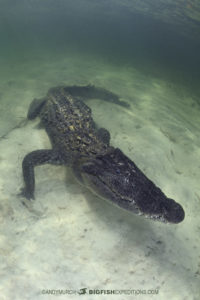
(69,239)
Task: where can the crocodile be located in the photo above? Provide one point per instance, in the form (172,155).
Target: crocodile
(78,142)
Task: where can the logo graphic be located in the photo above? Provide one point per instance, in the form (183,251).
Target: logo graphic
(83,291)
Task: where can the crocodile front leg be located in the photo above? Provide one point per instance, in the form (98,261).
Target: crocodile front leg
(104,135)
(36,158)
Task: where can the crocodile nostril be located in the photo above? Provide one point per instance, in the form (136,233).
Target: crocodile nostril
(175,213)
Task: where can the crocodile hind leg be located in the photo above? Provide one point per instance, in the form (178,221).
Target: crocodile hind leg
(35,108)
(33,159)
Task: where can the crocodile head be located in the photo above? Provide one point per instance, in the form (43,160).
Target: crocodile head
(116,178)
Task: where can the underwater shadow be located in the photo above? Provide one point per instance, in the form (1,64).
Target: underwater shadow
(137,232)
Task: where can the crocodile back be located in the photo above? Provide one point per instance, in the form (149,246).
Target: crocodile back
(69,124)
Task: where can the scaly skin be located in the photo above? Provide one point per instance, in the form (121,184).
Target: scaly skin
(105,170)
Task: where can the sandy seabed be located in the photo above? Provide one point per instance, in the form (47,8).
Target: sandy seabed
(68,239)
